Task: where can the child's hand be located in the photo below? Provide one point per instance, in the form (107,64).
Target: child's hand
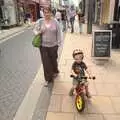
(75,75)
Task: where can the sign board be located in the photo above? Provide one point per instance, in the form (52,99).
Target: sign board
(101,44)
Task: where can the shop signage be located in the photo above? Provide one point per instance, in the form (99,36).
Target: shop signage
(101,45)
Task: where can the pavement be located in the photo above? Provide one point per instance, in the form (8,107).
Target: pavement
(105,90)
(11,31)
(53,103)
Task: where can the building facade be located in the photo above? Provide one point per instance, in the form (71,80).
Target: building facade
(14,12)
(107,11)
(8,13)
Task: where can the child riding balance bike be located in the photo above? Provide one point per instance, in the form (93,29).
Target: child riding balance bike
(80,83)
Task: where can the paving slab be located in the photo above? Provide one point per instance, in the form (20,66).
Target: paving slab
(88,117)
(68,104)
(100,104)
(59,116)
(111,117)
(118,88)
(55,103)
(61,88)
(116,104)
(107,89)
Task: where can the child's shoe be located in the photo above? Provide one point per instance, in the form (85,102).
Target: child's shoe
(71,92)
(88,95)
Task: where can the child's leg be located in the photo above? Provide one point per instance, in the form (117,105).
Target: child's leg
(87,91)
(71,91)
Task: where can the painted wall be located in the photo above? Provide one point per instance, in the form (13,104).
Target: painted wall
(105,11)
(111,13)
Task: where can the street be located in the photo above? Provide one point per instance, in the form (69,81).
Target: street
(90,34)
(19,63)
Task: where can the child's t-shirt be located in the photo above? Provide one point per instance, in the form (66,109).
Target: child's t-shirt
(79,68)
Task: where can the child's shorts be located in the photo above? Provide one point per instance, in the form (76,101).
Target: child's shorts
(75,82)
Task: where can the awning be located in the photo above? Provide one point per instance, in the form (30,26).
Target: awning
(45,3)
(37,1)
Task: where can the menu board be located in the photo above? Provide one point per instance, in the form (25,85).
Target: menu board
(102,43)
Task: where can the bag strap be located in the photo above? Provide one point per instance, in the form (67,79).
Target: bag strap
(56,28)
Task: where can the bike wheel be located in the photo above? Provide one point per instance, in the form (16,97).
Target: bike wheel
(80,103)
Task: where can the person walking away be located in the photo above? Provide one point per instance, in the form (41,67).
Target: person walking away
(50,31)
(80,20)
(63,18)
(68,17)
(41,13)
(72,18)
(58,16)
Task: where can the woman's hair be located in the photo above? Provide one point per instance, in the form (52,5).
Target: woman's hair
(47,8)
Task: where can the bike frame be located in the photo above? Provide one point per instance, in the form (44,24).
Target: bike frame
(81,88)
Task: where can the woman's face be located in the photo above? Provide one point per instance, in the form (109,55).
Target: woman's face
(47,13)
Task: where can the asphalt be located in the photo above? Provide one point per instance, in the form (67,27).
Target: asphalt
(19,63)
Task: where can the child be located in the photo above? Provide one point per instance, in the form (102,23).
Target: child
(79,67)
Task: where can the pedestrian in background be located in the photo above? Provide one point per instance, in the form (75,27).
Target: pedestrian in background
(41,13)
(80,20)
(58,16)
(63,19)
(72,18)
(68,16)
(51,39)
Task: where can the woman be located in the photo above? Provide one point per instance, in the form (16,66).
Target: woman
(51,38)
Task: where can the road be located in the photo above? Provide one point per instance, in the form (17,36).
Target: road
(19,63)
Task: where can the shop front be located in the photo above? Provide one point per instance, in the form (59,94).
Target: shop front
(9,13)
(1,12)
(32,9)
(20,11)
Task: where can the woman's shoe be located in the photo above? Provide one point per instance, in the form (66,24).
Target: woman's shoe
(46,84)
(56,74)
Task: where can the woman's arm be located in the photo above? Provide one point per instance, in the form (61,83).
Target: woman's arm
(37,27)
(59,33)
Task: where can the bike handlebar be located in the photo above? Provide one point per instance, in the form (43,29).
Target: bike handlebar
(83,77)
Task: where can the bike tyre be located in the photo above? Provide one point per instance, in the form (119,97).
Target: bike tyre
(80,102)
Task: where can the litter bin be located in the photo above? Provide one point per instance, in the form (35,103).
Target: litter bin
(115,27)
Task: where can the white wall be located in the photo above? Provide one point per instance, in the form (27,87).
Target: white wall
(111,10)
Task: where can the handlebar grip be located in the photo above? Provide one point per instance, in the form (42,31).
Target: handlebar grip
(72,76)
(92,78)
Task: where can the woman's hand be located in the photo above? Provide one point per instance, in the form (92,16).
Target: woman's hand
(42,30)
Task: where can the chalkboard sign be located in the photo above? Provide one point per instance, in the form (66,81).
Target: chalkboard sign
(102,43)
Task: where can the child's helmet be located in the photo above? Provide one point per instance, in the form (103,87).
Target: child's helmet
(76,52)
